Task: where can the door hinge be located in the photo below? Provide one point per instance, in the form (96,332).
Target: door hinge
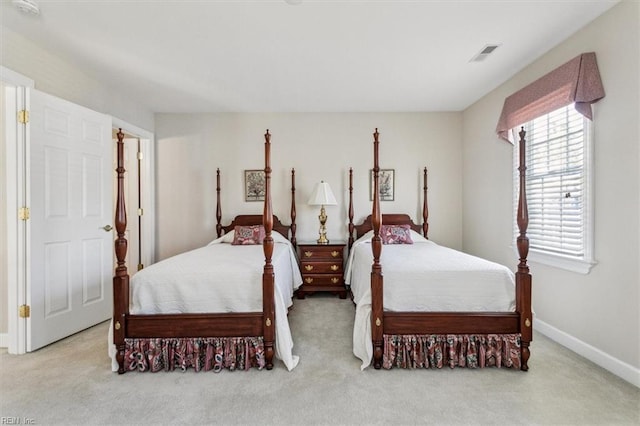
(24,311)
(140,155)
(23,116)
(140,212)
(24,213)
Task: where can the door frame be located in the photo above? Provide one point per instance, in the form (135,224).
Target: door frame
(14,183)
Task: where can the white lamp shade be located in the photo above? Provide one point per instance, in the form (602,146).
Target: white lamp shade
(322,195)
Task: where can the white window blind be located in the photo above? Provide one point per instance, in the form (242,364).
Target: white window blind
(557,182)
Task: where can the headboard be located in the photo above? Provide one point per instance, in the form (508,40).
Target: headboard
(387,219)
(256,219)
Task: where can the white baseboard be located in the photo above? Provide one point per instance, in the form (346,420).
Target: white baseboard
(621,369)
(4,340)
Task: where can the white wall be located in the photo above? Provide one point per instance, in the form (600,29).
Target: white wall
(320,147)
(64,79)
(599,311)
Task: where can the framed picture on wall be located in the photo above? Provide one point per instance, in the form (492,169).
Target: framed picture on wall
(254,185)
(386,179)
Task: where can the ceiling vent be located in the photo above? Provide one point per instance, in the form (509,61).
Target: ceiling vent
(27,6)
(486,51)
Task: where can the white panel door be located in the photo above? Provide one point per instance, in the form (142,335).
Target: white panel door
(70,254)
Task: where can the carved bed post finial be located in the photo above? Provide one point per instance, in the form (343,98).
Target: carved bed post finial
(376,269)
(268,278)
(293,207)
(218,205)
(351,225)
(121,278)
(425,206)
(523,277)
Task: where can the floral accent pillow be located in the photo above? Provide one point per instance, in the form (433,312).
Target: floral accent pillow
(396,234)
(245,235)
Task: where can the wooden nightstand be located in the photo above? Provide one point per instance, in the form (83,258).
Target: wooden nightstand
(322,268)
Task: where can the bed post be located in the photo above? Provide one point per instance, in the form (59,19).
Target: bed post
(523,278)
(376,269)
(351,226)
(425,206)
(218,208)
(268,308)
(293,207)
(121,277)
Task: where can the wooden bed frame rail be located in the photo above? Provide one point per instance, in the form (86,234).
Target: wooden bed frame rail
(399,323)
(243,324)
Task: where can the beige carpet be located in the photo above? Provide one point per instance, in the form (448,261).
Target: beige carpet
(70,382)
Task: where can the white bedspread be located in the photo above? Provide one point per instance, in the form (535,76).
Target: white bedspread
(423,277)
(219,277)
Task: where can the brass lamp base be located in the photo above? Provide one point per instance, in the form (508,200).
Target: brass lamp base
(322,239)
(323,231)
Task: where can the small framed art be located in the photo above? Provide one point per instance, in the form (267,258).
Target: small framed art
(386,179)
(254,185)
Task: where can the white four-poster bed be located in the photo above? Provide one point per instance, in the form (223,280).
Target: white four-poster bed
(222,306)
(435,306)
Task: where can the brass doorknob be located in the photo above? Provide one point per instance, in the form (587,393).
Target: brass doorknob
(107,228)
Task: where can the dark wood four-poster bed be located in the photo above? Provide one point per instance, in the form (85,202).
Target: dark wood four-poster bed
(437,306)
(191,312)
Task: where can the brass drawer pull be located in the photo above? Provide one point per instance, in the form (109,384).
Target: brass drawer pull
(335,253)
(308,253)
(308,280)
(308,267)
(335,280)
(334,267)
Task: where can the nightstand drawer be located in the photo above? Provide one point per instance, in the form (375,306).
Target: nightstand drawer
(320,252)
(321,267)
(328,280)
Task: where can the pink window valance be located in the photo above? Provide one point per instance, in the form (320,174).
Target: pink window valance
(578,81)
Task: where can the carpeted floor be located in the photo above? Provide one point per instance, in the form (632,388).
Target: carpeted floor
(70,382)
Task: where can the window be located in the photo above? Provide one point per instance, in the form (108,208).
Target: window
(559,189)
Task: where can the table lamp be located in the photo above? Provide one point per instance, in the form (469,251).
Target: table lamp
(322,196)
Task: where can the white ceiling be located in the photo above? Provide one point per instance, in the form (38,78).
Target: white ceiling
(317,56)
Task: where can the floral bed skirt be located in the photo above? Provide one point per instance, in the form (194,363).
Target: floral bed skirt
(201,354)
(454,350)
